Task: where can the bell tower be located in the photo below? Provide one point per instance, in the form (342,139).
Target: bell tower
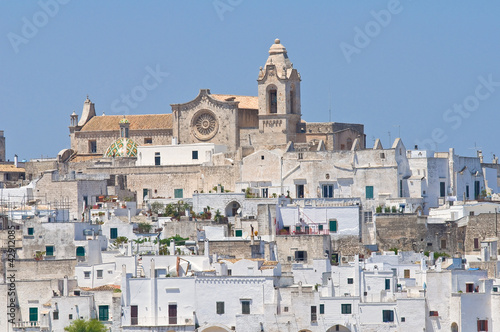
(279,97)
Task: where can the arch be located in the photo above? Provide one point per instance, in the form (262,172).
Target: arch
(232,208)
(80,251)
(214,328)
(454,327)
(338,327)
(272,99)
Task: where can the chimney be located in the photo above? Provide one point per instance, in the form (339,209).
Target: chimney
(207,248)
(153,269)
(174,140)
(15,161)
(65,286)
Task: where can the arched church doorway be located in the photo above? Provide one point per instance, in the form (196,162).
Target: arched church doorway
(338,327)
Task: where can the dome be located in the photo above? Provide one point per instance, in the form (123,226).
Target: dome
(122,147)
(123,120)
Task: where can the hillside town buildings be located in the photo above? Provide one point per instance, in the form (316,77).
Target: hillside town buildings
(232,213)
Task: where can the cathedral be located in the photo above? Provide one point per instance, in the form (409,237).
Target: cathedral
(244,124)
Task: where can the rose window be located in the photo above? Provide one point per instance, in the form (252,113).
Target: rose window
(205,125)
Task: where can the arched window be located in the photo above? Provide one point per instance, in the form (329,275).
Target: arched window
(272,100)
(80,251)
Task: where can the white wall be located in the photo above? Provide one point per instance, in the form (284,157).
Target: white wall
(181,154)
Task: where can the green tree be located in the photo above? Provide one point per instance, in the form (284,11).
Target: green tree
(157,208)
(81,325)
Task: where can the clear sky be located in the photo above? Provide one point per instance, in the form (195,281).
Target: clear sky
(427,69)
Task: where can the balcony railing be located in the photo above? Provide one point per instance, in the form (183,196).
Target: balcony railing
(26,324)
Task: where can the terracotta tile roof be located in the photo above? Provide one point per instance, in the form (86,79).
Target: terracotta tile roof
(103,288)
(79,158)
(137,122)
(11,169)
(247,102)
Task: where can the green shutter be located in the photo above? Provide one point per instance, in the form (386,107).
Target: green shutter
(333,225)
(33,314)
(113,233)
(80,251)
(320,227)
(239,233)
(369,192)
(178,193)
(103,313)
(49,251)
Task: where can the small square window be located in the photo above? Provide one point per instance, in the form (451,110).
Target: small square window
(403,319)
(285,309)
(387,316)
(70,316)
(31,231)
(350,281)
(55,315)
(148,140)
(495,289)
(195,154)
(99,274)
(346,309)
(86,274)
(262,157)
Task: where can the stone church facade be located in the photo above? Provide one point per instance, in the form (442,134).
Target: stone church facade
(242,123)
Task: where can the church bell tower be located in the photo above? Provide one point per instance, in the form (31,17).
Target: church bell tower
(279,97)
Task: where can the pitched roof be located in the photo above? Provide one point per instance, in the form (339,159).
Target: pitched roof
(103,288)
(137,122)
(247,102)
(11,169)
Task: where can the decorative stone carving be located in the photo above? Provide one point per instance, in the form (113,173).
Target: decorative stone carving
(204,125)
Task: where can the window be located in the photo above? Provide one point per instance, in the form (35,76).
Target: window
(349,143)
(157,159)
(33,314)
(403,319)
(103,313)
(238,233)
(346,309)
(245,307)
(55,315)
(265,192)
(134,315)
(172,314)
(328,190)
(477,189)
(219,307)
(350,281)
(443,244)
(301,255)
(49,251)
(300,191)
(368,216)
(86,274)
(148,140)
(178,193)
(285,309)
(333,225)
(261,157)
(80,251)
(92,146)
(113,233)
(30,231)
(482,325)
(229,272)
(400,188)
(469,287)
(387,284)
(382,155)
(407,273)
(467,191)
(99,274)
(194,154)
(495,289)
(314,315)
(70,316)
(442,189)
(300,155)
(369,192)
(476,243)
(321,309)
(320,227)
(387,316)
(273,101)
(433,314)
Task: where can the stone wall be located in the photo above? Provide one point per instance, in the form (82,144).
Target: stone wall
(316,246)
(30,269)
(480,227)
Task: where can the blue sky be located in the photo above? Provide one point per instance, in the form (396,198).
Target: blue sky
(427,69)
